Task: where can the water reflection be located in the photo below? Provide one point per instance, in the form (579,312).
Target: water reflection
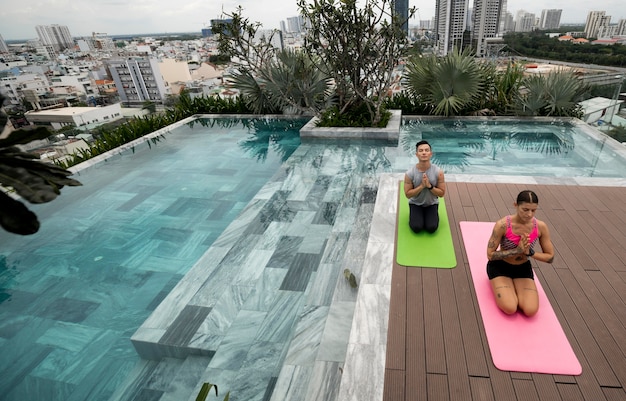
(459,144)
(264,134)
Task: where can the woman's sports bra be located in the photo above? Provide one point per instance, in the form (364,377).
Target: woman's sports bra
(510,240)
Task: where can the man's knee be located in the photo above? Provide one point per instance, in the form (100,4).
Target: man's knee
(415,228)
(431,229)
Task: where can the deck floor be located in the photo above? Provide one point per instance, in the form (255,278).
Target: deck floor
(436,343)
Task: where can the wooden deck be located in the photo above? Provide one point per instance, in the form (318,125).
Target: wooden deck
(436,344)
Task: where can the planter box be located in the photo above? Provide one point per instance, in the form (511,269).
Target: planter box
(390,133)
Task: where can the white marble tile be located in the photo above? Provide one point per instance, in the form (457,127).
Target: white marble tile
(363,373)
(378,264)
(371,315)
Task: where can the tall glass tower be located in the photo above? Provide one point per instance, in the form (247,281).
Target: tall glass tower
(401,8)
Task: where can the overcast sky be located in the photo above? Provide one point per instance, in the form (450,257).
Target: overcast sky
(18,18)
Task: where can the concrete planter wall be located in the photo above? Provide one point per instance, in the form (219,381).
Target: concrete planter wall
(390,133)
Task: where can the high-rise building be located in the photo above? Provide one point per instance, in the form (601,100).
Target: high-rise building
(56,36)
(3,45)
(595,20)
(138,80)
(508,23)
(401,9)
(486,23)
(525,21)
(621,27)
(450,24)
(550,19)
(295,24)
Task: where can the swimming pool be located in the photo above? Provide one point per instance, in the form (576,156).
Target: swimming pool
(271,240)
(534,147)
(109,251)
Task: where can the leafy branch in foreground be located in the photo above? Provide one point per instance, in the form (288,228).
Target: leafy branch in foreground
(27,176)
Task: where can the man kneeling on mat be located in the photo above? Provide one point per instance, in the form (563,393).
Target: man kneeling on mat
(424,184)
(509,250)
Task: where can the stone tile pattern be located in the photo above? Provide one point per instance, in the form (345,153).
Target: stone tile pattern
(268,304)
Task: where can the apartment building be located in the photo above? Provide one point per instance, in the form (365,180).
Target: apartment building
(596,20)
(17,87)
(450,24)
(57,37)
(550,19)
(3,45)
(486,23)
(138,79)
(525,21)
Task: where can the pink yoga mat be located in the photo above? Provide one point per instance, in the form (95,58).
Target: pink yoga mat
(517,343)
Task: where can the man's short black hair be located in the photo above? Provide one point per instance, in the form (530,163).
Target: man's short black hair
(422,142)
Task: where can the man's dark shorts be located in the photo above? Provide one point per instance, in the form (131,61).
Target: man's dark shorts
(496,268)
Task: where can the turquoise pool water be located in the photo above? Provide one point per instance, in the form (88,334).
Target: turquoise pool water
(110,251)
(549,148)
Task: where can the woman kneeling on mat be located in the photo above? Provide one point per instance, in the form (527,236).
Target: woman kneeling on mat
(510,248)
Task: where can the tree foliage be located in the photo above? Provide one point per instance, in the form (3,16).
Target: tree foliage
(360,47)
(539,45)
(271,80)
(347,62)
(452,84)
(460,84)
(556,94)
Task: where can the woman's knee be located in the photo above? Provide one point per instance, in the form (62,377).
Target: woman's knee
(509,306)
(529,309)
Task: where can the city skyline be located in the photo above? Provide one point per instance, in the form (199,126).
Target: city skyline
(115,17)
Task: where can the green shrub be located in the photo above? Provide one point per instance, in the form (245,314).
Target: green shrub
(355,117)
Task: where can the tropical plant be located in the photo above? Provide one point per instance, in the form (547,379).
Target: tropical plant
(206,389)
(555,94)
(453,84)
(359,47)
(501,87)
(270,80)
(23,174)
(354,70)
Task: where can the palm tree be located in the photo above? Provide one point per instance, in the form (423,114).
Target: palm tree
(556,94)
(453,83)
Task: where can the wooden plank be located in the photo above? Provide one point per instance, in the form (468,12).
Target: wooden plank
(481,389)
(415,337)
(546,386)
(394,385)
(396,331)
(571,392)
(456,365)
(437,388)
(588,330)
(614,394)
(525,390)
(435,349)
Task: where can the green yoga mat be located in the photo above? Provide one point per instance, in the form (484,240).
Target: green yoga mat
(423,249)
